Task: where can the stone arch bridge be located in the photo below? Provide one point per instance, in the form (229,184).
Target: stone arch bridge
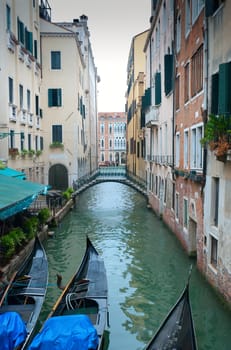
(110,174)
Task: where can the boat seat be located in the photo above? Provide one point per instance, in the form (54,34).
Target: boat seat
(31,292)
(24,311)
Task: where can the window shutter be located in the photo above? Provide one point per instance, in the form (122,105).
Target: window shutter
(224,105)
(35,49)
(168,73)
(157,88)
(59,97)
(50,97)
(214,93)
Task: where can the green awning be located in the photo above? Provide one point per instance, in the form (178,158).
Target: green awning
(12,173)
(17,195)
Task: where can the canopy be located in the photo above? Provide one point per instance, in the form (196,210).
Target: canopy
(72,332)
(17,195)
(12,331)
(12,173)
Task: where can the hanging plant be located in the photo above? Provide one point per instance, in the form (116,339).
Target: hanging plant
(217,134)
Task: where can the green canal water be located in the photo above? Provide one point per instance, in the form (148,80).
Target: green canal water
(146,267)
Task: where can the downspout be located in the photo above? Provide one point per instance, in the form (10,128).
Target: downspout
(174,92)
(205,107)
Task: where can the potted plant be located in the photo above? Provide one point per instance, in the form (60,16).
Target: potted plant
(31,153)
(38,153)
(218,135)
(13,152)
(23,153)
(56,144)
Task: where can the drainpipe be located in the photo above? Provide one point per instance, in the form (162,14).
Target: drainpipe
(174,91)
(205,102)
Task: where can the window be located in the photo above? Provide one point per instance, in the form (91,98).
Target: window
(11,90)
(215,201)
(177,149)
(54,97)
(36,143)
(21,96)
(102,143)
(55,60)
(177,206)
(35,49)
(196,147)
(21,32)
(224,85)
(12,139)
(196,8)
(29,41)
(36,104)
(57,133)
(102,129)
(197,72)
(213,259)
(157,88)
(187,17)
(173,195)
(177,92)
(185,216)
(29,141)
(8,18)
(28,100)
(22,139)
(178,33)
(186,83)
(168,73)
(41,143)
(186,149)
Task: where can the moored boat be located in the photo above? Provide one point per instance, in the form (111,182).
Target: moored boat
(79,318)
(22,299)
(177,330)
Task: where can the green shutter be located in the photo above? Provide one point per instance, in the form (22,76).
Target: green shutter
(50,97)
(214,93)
(30,42)
(168,73)
(157,88)
(224,105)
(59,97)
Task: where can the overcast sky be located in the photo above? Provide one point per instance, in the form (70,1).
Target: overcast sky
(112,25)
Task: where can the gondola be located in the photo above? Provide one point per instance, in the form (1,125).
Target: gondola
(22,299)
(79,318)
(177,330)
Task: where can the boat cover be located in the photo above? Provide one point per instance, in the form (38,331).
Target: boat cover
(12,331)
(72,332)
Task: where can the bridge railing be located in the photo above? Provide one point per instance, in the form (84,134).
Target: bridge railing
(112,172)
(136,179)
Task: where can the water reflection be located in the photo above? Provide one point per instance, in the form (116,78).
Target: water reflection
(146,266)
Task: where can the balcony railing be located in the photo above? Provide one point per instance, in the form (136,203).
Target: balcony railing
(12,113)
(152,117)
(23,117)
(160,159)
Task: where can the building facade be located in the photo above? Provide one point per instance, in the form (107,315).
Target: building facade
(112,138)
(215,261)
(134,93)
(21,122)
(68,94)
(158,108)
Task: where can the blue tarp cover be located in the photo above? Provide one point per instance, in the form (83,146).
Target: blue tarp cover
(13,173)
(74,332)
(12,330)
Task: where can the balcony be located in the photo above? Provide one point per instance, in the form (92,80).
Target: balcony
(10,42)
(160,159)
(152,117)
(23,117)
(21,54)
(28,61)
(30,119)
(12,113)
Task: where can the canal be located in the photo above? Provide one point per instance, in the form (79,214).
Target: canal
(146,266)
